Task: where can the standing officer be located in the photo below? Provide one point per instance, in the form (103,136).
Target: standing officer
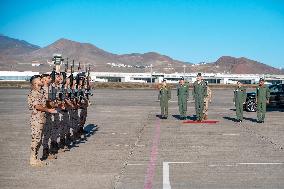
(182,93)
(262,98)
(240,96)
(164,97)
(207,100)
(199,93)
(37,104)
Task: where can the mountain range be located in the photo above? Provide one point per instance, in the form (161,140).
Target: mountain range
(20,55)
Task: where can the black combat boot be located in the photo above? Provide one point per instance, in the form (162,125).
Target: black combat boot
(53,150)
(45,153)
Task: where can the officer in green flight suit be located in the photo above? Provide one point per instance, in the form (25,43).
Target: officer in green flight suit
(182,93)
(164,97)
(240,96)
(199,93)
(262,98)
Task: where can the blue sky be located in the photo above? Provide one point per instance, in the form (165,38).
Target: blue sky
(187,30)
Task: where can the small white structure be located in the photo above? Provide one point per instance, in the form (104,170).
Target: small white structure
(16,76)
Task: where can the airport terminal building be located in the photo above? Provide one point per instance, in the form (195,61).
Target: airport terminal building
(214,78)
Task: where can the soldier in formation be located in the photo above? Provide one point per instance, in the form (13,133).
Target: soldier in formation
(164,97)
(207,100)
(240,96)
(37,105)
(183,94)
(56,122)
(262,99)
(199,93)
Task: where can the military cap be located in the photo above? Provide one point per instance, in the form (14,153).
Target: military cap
(164,80)
(34,77)
(199,75)
(261,79)
(181,78)
(45,75)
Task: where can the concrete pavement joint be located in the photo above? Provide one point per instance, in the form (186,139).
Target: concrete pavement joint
(263,138)
(130,154)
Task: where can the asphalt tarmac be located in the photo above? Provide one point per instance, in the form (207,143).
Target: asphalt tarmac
(129,147)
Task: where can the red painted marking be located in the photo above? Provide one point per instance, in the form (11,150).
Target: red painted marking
(204,121)
(153,158)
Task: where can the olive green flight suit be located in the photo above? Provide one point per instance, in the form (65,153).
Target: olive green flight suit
(199,93)
(182,93)
(164,97)
(240,96)
(262,96)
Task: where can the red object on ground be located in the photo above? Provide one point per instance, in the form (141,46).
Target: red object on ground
(204,121)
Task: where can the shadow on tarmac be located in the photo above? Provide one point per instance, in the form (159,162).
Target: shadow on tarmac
(89,130)
(250,119)
(230,118)
(193,117)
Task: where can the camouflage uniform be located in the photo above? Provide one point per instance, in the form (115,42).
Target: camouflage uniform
(37,120)
(207,99)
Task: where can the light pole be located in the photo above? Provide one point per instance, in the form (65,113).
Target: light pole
(184,66)
(151,66)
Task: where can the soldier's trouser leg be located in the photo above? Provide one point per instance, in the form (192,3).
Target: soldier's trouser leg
(54,135)
(36,133)
(55,126)
(184,102)
(46,136)
(261,110)
(239,110)
(206,105)
(166,108)
(46,133)
(66,123)
(199,105)
(180,106)
(162,108)
(83,116)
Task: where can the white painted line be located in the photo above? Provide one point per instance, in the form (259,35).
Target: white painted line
(230,165)
(166,173)
(140,145)
(106,111)
(231,134)
(166,176)
(166,169)
(135,164)
(260,163)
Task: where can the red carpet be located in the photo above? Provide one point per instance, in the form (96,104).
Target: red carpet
(204,121)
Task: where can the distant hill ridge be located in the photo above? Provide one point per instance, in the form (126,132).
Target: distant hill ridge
(14,51)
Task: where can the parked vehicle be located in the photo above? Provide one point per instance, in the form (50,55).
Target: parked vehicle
(276,98)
